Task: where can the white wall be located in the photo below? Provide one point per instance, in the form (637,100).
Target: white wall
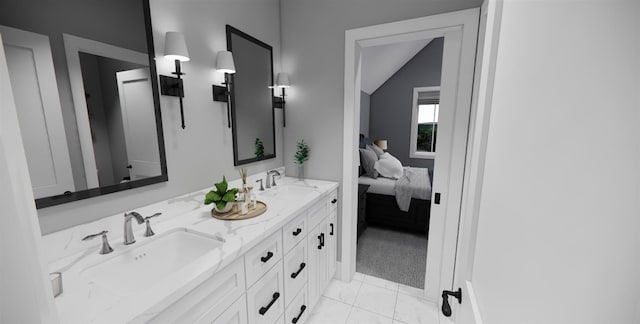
(201,154)
(558,234)
(25,292)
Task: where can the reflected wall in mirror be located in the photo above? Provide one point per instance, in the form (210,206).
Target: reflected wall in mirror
(83,78)
(252,111)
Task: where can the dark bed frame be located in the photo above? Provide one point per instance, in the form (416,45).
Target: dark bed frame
(384,210)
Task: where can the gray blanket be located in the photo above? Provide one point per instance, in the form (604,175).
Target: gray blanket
(413,184)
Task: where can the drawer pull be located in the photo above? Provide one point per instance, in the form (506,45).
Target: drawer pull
(263,310)
(319,242)
(297,232)
(295,274)
(322,239)
(296,319)
(335,200)
(331,233)
(266,258)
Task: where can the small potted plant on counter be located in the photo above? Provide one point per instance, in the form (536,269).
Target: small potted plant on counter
(301,156)
(222,197)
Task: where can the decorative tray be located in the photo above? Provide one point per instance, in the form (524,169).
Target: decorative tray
(234,214)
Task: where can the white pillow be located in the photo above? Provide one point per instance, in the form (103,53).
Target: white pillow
(388,166)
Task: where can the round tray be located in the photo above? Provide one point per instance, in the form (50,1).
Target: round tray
(234,214)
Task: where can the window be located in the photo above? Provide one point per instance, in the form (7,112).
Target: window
(424,122)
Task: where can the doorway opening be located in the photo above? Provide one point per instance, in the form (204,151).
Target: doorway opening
(459,33)
(399,113)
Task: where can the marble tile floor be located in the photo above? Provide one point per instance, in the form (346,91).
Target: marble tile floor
(371,300)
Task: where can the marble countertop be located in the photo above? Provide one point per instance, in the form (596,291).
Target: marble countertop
(84,301)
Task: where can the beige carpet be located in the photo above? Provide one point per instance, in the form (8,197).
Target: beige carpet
(393,255)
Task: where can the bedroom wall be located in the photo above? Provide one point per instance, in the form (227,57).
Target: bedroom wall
(201,154)
(365,107)
(559,235)
(392,103)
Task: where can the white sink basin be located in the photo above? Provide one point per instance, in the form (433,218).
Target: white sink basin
(292,190)
(147,263)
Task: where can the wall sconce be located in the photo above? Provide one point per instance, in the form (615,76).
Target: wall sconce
(175,48)
(282,82)
(381,144)
(225,64)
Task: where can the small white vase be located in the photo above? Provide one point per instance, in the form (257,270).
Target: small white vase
(300,172)
(226,209)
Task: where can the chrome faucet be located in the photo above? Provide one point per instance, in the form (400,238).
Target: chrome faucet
(272,173)
(128,232)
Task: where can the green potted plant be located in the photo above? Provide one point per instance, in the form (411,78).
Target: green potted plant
(222,197)
(259,148)
(301,156)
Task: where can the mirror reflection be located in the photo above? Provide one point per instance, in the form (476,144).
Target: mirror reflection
(251,98)
(81,73)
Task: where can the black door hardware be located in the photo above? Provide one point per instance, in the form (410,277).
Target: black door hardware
(295,274)
(334,201)
(263,310)
(297,232)
(129,166)
(319,242)
(331,233)
(266,258)
(446,308)
(436,198)
(322,239)
(296,319)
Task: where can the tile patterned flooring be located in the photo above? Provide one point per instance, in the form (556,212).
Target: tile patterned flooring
(371,300)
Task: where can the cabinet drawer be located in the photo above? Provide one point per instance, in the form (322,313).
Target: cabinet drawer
(209,299)
(298,311)
(295,271)
(235,314)
(265,300)
(294,232)
(333,200)
(317,213)
(262,257)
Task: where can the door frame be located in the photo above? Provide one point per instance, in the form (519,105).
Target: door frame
(436,25)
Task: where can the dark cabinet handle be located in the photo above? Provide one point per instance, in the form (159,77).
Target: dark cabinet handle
(266,258)
(319,242)
(334,201)
(263,310)
(322,239)
(295,274)
(129,166)
(331,233)
(297,232)
(296,319)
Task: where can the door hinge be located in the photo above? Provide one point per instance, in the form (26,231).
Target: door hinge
(446,308)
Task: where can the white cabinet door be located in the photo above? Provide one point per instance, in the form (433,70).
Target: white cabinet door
(235,314)
(316,243)
(332,244)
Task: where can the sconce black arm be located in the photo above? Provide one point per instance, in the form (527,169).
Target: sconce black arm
(221,94)
(279,102)
(172,86)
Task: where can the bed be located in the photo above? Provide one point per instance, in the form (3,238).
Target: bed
(385,196)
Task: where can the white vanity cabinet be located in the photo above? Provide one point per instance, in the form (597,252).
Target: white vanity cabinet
(277,281)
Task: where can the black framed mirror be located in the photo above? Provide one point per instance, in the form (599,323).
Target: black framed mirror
(95,126)
(252,109)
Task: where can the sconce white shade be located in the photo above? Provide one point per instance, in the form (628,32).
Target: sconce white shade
(282,80)
(224,62)
(175,48)
(381,144)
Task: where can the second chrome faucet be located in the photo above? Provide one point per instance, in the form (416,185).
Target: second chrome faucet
(128,231)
